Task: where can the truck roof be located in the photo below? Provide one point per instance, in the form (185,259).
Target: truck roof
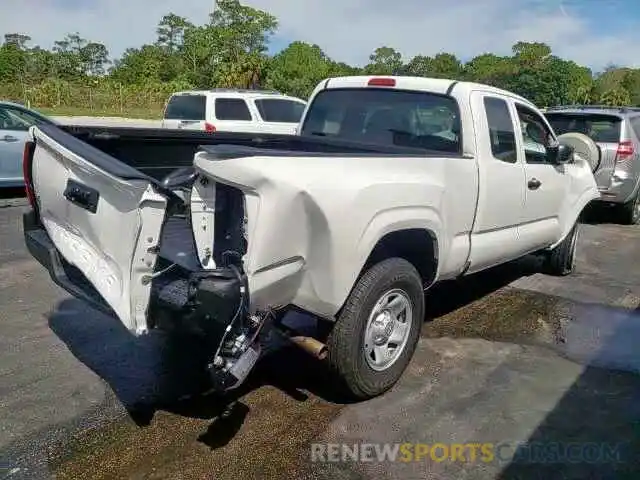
(427,84)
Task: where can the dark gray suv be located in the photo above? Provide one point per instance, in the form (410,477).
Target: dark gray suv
(616,131)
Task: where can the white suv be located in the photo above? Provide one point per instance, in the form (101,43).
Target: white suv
(233,110)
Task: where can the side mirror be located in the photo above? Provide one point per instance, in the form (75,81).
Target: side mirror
(564,154)
(560,154)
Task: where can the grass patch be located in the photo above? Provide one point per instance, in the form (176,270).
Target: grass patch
(147,114)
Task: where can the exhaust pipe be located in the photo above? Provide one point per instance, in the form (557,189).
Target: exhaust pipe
(312,346)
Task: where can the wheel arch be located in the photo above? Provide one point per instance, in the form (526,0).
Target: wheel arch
(417,245)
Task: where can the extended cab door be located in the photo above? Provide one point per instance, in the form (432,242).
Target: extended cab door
(547,185)
(494,239)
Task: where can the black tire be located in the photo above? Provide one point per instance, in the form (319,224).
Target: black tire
(561,260)
(346,341)
(631,211)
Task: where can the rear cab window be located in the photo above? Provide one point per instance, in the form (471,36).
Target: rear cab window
(232,109)
(601,128)
(279,110)
(423,120)
(186,107)
(501,131)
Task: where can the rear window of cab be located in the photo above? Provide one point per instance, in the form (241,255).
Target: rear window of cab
(386,117)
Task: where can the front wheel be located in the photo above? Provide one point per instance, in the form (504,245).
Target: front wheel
(377,331)
(561,261)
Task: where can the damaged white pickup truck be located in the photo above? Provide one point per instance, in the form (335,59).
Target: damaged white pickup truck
(390,185)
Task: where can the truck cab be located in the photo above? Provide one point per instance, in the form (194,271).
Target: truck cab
(512,191)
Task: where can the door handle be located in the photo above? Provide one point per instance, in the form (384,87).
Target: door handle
(9,138)
(534,184)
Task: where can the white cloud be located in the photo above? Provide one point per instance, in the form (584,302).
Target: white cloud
(348,30)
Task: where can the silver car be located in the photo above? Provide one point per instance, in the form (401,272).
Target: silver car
(616,131)
(15,121)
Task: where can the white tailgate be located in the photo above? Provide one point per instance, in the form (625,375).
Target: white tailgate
(111,246)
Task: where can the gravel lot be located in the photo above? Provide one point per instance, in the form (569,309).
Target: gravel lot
(505,356)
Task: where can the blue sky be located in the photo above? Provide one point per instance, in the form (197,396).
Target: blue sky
(591,32)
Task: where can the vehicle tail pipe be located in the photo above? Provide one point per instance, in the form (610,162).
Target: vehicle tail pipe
(310,345)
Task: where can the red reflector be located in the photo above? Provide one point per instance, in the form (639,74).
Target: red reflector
(27,158)
(382,82)
(209,128)
(625,149)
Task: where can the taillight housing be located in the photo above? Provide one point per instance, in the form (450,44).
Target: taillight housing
(27,161)
(625,150)
(208,127)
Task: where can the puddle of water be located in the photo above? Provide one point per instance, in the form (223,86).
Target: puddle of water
(592,334)
(506,315)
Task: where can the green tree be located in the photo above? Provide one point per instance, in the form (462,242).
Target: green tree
(297,69)
(94,58)
(171,31)
(418,66)
(631,83)
(490,69)
(615,97)
(18,40)
(241,35)
(140,65)
(446,65)
(384,61)
(531,53)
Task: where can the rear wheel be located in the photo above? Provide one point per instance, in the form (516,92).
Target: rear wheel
(561,260)
(377,331)
(631,211)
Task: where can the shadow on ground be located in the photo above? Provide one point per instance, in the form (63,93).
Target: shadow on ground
(603,214)
(156,373)
(447,297)
(594,429)
(11,193)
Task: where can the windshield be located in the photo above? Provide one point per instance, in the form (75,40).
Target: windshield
(600,128)
(282,111)
(386,117)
